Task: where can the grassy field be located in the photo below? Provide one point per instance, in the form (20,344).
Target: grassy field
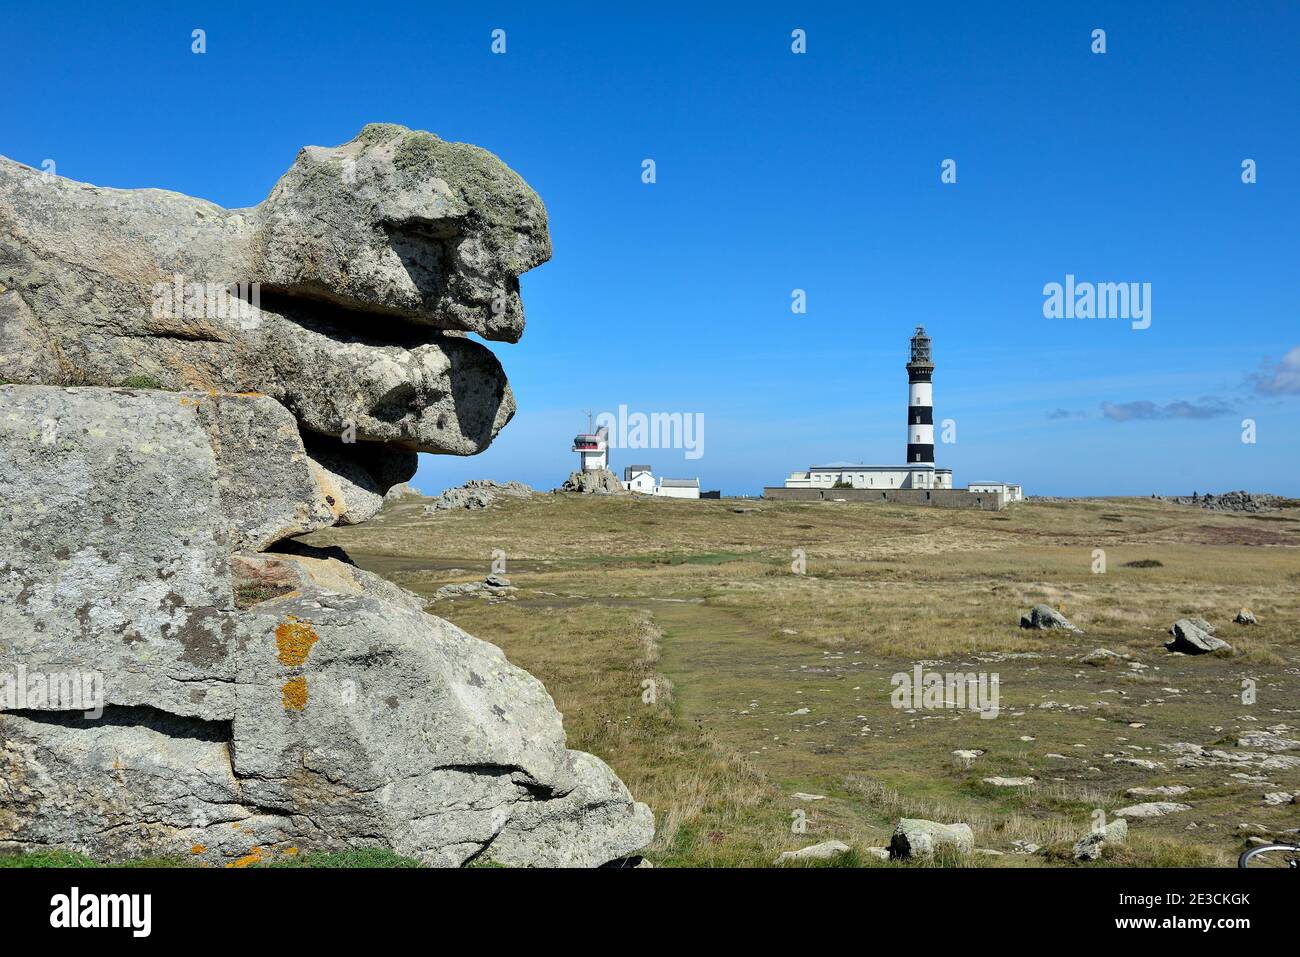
(738,697)
(768,683)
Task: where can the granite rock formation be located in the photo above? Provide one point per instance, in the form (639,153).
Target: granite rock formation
(177,675)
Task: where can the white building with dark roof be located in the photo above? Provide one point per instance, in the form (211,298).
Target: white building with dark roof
(639,478)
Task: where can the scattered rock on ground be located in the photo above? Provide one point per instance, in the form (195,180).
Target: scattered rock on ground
(1164,790)
(816,852)
(1245,617)
(1102,657)
(1009,782)
(1138,763)
(1267,741)
(1152,809)
(1278,798)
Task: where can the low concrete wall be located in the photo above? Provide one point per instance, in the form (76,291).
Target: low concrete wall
(938,497)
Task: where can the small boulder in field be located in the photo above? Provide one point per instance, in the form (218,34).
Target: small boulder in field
(1270,741)
(1138,763)
(1164,790)
(1009,782)
(1195,636)
(1045,617)
(915,838)
(1245,617)
(1090,846)
(1152,809)
(816,852)
(1102,657)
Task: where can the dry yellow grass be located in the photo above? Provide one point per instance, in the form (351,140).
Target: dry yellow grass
(702,601)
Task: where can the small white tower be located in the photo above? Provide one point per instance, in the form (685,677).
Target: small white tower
(920,402)
(592,449)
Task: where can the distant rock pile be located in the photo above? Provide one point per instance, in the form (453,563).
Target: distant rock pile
(1238,501)
(595,482)
(237,696)
(476,493)
(400,491)
(493,588)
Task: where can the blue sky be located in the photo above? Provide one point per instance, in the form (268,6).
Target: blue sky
(778,171)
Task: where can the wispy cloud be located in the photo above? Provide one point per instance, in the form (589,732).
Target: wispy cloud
(1279,378)
(1066,414)
(1206,407)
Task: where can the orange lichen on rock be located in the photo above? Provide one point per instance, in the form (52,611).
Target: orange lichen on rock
(197,849)
(248,860)
(294,639)
(294,694)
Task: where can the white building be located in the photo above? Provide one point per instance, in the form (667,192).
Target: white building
(1005,491)
(637,478)
(592,449)
(678,488)
(850,475)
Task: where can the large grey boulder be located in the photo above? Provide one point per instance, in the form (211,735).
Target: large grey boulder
(1091,846)
(369,260)
(258,702)
(351,719)
(1195,636)
(916,838)
(1047,618)
(177,675)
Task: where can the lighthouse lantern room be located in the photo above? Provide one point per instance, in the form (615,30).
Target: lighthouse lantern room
(592,449)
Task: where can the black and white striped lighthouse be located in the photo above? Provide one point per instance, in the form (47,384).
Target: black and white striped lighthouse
(920,402)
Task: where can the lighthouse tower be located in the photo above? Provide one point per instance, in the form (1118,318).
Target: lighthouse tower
(920,403)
